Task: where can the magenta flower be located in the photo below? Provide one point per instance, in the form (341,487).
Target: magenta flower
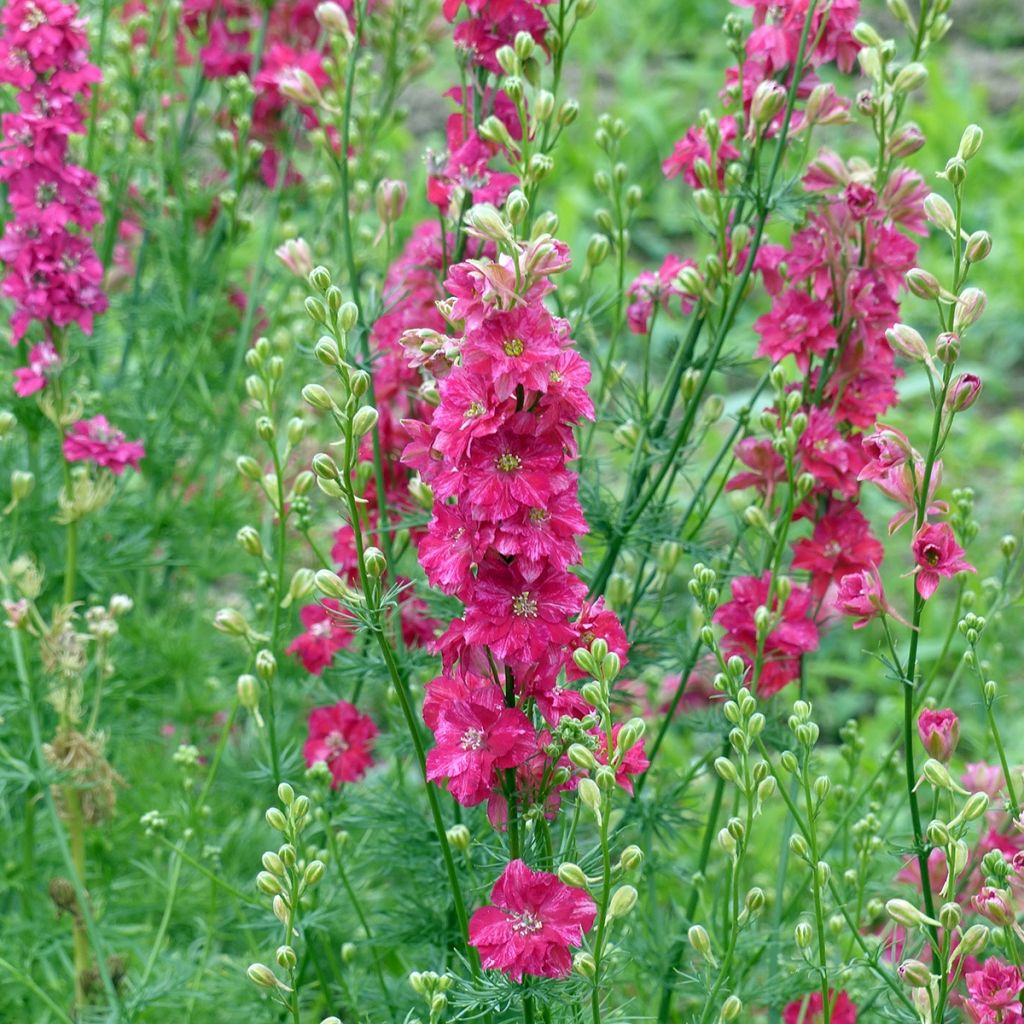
(96,440)
(341,737)
(325,635)
(937,554)
(476,738)
(940,732)
(994,904)
(809,1010)
(798,325)
(994,991)
(793,634)
(842,543)
(860,594)
(43,363)
(533,921)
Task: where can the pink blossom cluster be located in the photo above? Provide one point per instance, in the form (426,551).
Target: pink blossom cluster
(97,441)
(835,293)
(503,539)
(495,23)
(342,738)
(51,271)
(229,30)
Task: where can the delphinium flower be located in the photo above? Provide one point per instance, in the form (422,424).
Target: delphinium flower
(492,24)
(994,993)
(939,731)
(341,737)
(51,271)
(326,634)
(532,921)
(810,1010)
(503,539)
(97,441)
(43,361)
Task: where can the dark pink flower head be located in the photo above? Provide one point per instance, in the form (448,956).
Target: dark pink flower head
(842,543)
(533,920)
(939,731)
(341,737)
(694,146)
(651,290)
(475,738)
(798,325)
(43,363)
(792,634)
(860,594)
(809,1010)
(994,989)
(95,440)
(326,634)
(767,468)
(937,554)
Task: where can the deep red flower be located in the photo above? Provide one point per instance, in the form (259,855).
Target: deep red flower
(798,325)
(533,920)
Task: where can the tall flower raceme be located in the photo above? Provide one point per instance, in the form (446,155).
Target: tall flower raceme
(51,272)
(503,540)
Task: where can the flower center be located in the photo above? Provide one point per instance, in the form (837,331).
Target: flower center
(538,515)
(473,410)
(555,377)
(514,347)
(832,549)
(932,555)
(524,606)
(335,743)
(525,923)
(508,463)
(472,739)
(321,629)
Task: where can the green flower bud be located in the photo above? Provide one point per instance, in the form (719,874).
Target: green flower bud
(622,902)
(262,975)
(286,958)
(459,837)
(376,562)
(364,420)
(572,874)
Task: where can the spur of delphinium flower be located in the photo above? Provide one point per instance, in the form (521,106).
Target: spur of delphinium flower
(939,730)
(341,737)
(792,635)
(96,440)
(43,362)
(533,920)
(810,1009)
(937,554)
(326,634)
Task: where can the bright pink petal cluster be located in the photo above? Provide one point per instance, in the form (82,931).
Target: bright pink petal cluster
(939,730)
(994,993)
(95,440)
(495,23)
(326,633)
(792,634)
(51,271)
(43,362)
(937,554)
(341,737)
(531,924)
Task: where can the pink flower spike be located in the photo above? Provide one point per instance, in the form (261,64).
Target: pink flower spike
(533,920)
(937,554)
(940,732)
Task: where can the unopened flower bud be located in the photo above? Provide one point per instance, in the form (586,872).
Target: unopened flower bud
(803,935)
(332,585)
(317,396)
(581,757)
(769,98)
(631,858)
(905,913)
(572,874)
(731,1009)
(968,309)
(970,141)
(249,541)
(583,964)
(978,247)
(922,283)
(905,339)
(589,794)
(947,347)
(376,562)
(963,392)
(973,941)
(285,957)
(266,664)
(248,690)
(229,621)
(622,902)
(459,836)
(364,420)
(909,78)
(390,199)
(348,316)
(940,213)
(914,974)
(314,872)
(333,19)
(262,975)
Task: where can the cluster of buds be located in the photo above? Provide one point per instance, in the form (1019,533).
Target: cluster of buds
(287,879)
(433,988)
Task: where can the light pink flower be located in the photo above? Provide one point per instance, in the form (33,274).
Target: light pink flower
(939,731)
